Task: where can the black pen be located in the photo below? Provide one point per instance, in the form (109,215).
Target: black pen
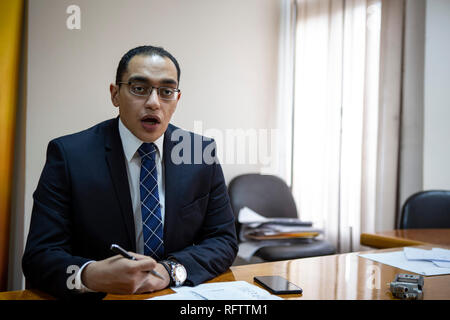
(118,249)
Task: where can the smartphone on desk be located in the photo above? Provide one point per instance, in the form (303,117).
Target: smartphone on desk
(277,285)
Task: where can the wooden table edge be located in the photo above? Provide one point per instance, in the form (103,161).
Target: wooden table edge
(384,242)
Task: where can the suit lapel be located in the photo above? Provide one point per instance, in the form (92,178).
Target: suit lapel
(116,164)
(173,191)
(173,173)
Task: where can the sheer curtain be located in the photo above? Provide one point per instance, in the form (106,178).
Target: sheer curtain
(282,153)
(339,153)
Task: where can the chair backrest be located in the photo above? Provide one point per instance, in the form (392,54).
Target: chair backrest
(265,194)
(426,209)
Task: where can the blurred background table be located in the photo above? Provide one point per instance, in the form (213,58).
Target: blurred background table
(406,237)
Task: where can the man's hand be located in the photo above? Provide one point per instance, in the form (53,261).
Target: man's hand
(124,276)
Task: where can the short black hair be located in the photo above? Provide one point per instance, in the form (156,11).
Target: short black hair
(144,50)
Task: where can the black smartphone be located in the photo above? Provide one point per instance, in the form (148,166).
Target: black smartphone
(278,285)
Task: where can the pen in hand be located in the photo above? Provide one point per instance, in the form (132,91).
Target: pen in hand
(118,249)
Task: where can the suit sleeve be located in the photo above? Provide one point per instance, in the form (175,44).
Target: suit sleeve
(216,246)
(48,263)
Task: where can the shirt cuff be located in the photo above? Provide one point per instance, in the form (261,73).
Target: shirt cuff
(78,283)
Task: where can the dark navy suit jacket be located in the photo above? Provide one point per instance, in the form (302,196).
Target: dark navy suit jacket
(82,205)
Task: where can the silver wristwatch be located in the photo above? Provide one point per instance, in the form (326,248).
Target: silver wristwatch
(177,272)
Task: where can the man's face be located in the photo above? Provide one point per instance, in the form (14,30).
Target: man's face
(146,117)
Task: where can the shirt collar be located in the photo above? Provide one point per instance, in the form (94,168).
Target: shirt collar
(131,143)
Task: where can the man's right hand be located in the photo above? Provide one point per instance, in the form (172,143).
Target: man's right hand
(119,275)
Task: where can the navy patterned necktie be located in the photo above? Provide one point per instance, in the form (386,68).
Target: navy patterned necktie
(152,226)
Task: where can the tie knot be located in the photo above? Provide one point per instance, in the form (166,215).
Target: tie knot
(147,150)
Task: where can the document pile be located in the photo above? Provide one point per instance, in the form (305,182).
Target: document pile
(439,257)
(232,290)
(425,262)
(258,231)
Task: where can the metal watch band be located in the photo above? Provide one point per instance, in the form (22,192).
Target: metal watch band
(170,267)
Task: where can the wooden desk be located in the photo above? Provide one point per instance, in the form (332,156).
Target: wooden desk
(342,276)
(406,237)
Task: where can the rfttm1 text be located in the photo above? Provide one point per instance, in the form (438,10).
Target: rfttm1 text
(245,309)
(240,309)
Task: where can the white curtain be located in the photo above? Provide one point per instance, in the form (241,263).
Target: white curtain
(339,110)
(282,153)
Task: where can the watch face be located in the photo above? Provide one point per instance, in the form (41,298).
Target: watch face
(180,273)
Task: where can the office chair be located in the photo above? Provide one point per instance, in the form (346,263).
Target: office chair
(426,210)
(270,197)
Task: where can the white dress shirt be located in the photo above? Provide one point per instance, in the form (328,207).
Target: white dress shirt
(131,145)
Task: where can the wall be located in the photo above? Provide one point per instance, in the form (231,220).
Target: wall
(411,156)
(426,99)
(227,51)
(436,171)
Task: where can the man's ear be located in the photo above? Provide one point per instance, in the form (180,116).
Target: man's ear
(114,90)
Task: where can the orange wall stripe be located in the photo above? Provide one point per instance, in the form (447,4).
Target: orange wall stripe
(10,40)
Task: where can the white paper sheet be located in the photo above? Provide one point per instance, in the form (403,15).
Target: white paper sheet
(435,254)
(232,290)
(442,264)
(247,215)
(248,248)
(398,259)
(188,295)
(253,219)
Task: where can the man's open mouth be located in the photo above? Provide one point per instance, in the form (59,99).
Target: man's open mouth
(152,120)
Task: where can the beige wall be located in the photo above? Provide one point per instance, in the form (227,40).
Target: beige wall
(436,173)
(227,51)
(411,148)
(425,148)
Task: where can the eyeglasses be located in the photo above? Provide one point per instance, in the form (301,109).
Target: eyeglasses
(142,90)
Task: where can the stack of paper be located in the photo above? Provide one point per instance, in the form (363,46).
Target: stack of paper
(257,227)
(258,232)
(439,257)
(425,262)
(232,290)
(249,217)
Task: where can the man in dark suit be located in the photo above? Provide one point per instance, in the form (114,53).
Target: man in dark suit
(135,181)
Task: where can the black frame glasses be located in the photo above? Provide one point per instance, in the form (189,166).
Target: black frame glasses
(164,93)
